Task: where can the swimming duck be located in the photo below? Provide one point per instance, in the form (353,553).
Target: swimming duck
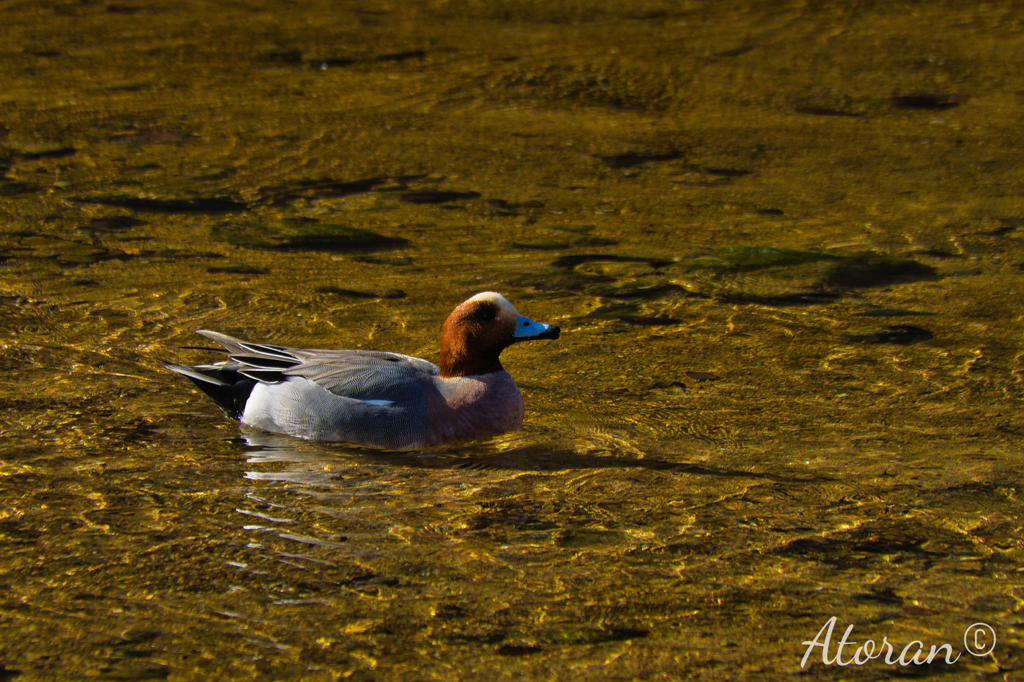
(379,399)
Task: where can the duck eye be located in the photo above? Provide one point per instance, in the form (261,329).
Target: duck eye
(484,315)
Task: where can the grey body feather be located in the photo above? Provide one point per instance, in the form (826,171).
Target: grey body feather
(379,399)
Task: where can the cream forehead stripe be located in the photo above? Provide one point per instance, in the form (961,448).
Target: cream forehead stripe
(497,299)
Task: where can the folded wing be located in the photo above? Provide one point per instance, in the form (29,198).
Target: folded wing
(359,374)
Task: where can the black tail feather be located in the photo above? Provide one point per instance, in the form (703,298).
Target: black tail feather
(229,389)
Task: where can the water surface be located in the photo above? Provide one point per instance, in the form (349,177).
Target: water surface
(785,245)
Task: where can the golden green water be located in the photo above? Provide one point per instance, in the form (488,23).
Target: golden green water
(785,242)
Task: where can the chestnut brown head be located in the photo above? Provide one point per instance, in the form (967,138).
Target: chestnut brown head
(478,330)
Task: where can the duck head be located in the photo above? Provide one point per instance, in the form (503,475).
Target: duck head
(478,330)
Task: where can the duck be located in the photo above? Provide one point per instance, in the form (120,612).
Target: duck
(379,399)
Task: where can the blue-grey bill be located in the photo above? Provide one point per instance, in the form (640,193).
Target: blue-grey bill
(528,330)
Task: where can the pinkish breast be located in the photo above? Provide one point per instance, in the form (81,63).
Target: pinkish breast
(475,407)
